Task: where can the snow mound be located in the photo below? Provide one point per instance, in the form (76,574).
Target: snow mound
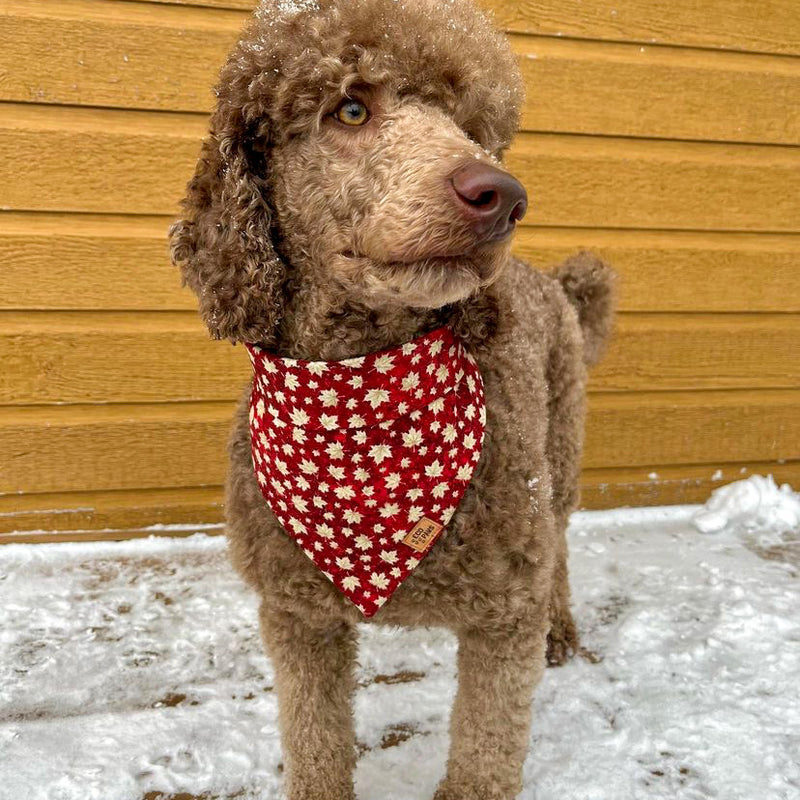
(757,503)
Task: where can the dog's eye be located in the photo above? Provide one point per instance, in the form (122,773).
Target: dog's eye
(352,112)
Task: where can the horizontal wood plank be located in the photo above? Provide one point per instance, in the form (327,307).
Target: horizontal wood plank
(630,430)
(76,358)
(90,160)
(103,512)
(157,57)
(659,92)
(87,261)
(682,271)
(673,485)
(99,448)
(768,26)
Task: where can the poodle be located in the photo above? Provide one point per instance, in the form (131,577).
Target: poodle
(350,200)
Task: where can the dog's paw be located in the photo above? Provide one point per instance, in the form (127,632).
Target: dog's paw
(563,641)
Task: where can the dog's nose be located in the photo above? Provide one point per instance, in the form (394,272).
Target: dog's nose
(492,200)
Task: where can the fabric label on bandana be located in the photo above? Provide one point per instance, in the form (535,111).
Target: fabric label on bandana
(364,461)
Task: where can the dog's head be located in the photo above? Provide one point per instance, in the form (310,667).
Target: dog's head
(357,144)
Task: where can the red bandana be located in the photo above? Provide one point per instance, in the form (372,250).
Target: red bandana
(363,461)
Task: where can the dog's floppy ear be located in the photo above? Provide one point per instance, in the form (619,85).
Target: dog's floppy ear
(223,245)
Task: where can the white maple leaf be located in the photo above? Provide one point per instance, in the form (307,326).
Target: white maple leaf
(379,580)
(309,467)
(434,470)
(389,509)
(389,556)
(377,396)
(329,397)
(379,452)
(384,364)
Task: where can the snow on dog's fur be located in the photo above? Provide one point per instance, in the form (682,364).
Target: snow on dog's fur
(324,240)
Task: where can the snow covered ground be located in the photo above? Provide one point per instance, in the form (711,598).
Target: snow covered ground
(134,670)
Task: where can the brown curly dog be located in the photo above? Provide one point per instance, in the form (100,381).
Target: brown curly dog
(350,197)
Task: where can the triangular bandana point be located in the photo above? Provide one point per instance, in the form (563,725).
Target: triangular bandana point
(364,461)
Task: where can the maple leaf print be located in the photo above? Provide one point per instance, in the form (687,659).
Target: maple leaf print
(482,415)
(276,485)
(439,490)
(360,437)
(442,373)
(402,408)
(282,467)
(297,526)
(409,348)
(353,362)
(273,411)
(329,397)
(344,492)
(269,366)
(353,517)
(379,452)
(435,425)
(329,422)
(393,480)
(288,449)
(302,483)
(309,467)
(317,367)
(351,583)
(389,509)
(363,542)
(469,441)
(384,364)
(300,504)
(412,438)
(262,478)
(361,474)
(377,396)
(414,494)
(368,491)
(469,412)
(336,472)
(356,421)
(471,383)
(449,433)
(389,556)
(325,531)
(396,572)
(464,473)
(447,514)
(434,470)
(379,580)
(260,407)
(335,450)
(323,487)
(344,563)
(411,381)
(436,405)
(291,382)
(415,514)
(411,563)
(436,347)
(299,435)
(356,381)
(280,397)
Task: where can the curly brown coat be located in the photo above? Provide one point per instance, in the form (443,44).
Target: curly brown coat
(322,240)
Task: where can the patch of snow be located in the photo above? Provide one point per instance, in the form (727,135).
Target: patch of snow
(136,667)
(756,503)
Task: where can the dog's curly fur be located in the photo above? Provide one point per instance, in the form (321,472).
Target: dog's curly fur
(324,241)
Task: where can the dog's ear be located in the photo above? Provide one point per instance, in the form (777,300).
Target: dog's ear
(223,245)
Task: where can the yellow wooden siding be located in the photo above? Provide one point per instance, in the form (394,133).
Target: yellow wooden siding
(675,159)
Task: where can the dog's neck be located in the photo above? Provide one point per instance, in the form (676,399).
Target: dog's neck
(321,324)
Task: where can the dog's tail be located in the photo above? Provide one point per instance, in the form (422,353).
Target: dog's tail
(589,284)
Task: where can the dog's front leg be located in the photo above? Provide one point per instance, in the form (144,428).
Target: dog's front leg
(315,679)
(490,723)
